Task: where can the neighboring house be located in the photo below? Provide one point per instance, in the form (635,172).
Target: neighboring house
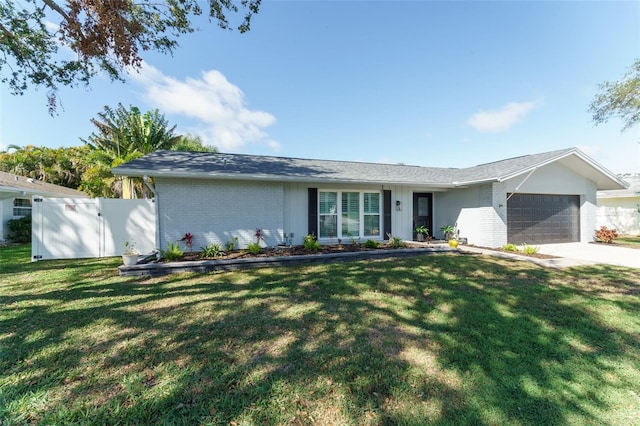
(15,197)
(620,209)
(534,199)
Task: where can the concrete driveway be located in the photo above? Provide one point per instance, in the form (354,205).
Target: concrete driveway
(589,253)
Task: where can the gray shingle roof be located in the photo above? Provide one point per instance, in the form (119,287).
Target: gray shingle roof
(503,169)
(196,164)
(241,166)
(11,182)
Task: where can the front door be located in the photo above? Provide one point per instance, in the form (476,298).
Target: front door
(422,206)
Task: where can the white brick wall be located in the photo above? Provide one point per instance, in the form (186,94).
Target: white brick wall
(498,217)
(473,210)
(215,211)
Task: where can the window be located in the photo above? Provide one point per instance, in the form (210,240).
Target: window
(21,207)
(328,214)
(372,213)
(351,214)
(343,214)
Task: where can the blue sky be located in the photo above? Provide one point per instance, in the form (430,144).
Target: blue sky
(450,84)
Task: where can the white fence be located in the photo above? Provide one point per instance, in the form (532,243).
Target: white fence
(624,220)
(72,228)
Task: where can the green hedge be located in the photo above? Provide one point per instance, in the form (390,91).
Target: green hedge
(20,229)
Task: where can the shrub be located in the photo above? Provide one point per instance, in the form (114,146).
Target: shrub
(172,252)
(212,250)
(395,242)
(530,249)
(606,235)
(510,247)
(188,239)
(254,248)
(259,235)
(311,243)
(231,244)
(20,229)
(371,244)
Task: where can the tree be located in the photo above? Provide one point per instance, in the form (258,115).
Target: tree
(129,134)
(620,99)
(103,35)
(60,166)
(192,143)
(123,135)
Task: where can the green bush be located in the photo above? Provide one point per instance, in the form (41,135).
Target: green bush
(254,248)
(311,243)
(172,252)
(395,242)
(231,244)
(510,247)
(371,244)
(212,250)
(20,229)
(530,249)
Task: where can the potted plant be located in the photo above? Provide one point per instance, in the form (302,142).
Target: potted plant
(422,232)
(131,254)
(450,232)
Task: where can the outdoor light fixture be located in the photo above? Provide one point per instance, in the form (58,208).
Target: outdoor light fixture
(398,205)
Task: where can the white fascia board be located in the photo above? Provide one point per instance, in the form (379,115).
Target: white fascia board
(28,191)
(599,168)
(467,183)
(608,173)
(271,178)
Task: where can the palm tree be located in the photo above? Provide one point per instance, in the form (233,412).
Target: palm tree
(124,135)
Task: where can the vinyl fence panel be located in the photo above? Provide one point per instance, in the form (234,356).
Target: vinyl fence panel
(66,228)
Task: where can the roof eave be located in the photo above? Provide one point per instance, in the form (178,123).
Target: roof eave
(575,151)
(271,178)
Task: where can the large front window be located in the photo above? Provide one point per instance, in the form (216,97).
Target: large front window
(345,214)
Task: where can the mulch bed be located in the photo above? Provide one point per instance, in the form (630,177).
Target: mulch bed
(284,251)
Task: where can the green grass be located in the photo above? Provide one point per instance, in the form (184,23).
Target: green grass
(434,339)
(628,240)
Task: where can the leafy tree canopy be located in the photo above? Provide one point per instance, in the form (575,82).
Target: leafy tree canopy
(126,134)
(121,135)
(60,166)
(192,143)
(103,35)
(619,99)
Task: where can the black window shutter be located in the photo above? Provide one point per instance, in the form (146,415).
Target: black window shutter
(386,207)
(313,211)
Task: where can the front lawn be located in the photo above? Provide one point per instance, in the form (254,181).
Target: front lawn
(433,339)
(628,241)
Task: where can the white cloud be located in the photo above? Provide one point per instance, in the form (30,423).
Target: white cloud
(493,121)
(51,26)
(219,106)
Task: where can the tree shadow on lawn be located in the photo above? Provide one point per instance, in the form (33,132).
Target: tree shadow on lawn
(430,339)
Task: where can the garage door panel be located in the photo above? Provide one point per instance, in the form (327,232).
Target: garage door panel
(543,218)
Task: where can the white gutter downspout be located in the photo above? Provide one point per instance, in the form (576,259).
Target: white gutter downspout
(521,183)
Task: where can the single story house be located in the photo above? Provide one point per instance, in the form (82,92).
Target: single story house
(620,208)
(15,197)
(541,198)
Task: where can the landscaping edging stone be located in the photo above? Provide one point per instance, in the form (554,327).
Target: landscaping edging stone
(202,266)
